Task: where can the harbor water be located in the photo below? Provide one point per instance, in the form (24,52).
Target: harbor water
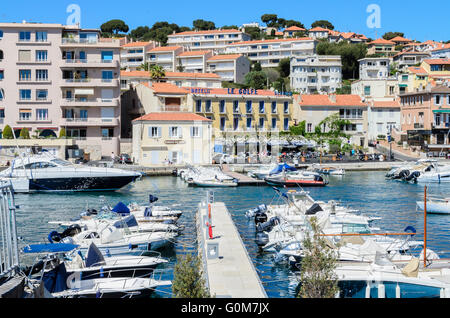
(366,191)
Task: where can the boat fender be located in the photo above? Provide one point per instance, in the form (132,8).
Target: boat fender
(102,272)
(107,253)
(264,227)
(275,221)
(148,212)
(98,294)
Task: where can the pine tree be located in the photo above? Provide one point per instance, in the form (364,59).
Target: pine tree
(318,279)
(188,281)
(7,132)
(24,134)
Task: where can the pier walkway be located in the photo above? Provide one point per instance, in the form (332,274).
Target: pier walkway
(228,269)
(244,180)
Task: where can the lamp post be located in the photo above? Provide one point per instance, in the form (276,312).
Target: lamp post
(389,127)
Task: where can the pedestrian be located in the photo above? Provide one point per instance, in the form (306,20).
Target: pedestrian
(113,156)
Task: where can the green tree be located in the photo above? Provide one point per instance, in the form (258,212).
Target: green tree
(270,20)
(299,130)
(24,133)
(144,67)
(230,27)
(255,79)
(290,23)
(139,32)
(158,32)
(188,281)
(7,132)
(284,67)
(391,35)
(62,133)
(333,126)
(114,26)
(254,32)
(318,279)
(256,66)
(203,25)
(323,24)
(157,72)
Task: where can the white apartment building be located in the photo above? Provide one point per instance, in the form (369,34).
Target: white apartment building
(441,53)
(374,68)
(405,59)
(193,61)
(269,52)
(215,40)
(164,56)
(316,73)
(133,55)
(57,76)
(383,116)
(230,67)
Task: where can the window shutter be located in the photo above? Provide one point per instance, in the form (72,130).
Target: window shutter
(150,131)
(180,132)
(192,132)
(159,132)
(170,132)
(200,132)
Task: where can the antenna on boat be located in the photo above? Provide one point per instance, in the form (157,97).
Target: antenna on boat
(425,227)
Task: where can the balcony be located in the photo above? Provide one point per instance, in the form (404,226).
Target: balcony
(440,125)
(418,126)
(71,63)
(99,42)
(88,82)
(77,122)
(81,102)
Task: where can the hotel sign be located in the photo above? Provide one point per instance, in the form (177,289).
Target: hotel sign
(237,91)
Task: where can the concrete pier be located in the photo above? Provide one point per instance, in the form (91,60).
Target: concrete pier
(243,180)
(228,269)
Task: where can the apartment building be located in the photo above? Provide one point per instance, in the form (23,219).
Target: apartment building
(230,67)
(133,55)
(211,40)
(193,61)
(292,31)
(175,137)
(381,47)
(316,73)
(430,71)
(269,52)
(383,117)
(405,59)
(319,33)
(56,77)
(164,56)
(442,52)
(425,117)
(315,108)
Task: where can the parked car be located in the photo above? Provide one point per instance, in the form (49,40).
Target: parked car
(125,159)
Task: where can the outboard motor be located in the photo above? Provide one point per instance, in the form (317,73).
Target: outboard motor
(413,176)
(261,239)
(314,209)
(72,230)
(260,218)
(403,174)
(267,226)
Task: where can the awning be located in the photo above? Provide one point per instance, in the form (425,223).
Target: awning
(49,128)
(86,91)
(403,85)
(25,111)
(441,111)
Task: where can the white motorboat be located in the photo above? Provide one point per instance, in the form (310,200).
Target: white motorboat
(45,172)
(329,170)
(262,172)
(215,183)
(435,206)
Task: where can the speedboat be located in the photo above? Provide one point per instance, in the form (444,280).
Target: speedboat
(297,180)
(262,172)
(215,183)
(329,171)
(44,172)
(435,206)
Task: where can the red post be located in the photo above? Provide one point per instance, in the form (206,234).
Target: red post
(209,211)
(425,227)
(210,232)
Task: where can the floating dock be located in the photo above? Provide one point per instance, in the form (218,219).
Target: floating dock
(243,180)
(227,267)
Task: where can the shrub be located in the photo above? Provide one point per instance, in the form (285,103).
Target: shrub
(24,133)
(7,132)
(62,133)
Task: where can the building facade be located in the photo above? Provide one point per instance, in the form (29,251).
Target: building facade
(59,77)
(164,56)
(381,47)
(193,61)
(383,117)
(133,55)
(316,73)
(230,67)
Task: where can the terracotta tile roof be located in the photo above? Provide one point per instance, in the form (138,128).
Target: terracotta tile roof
(362,37)
(165,49)
(382,41)
(165,88)
(273,41)
(135,74)
(194,53)
(279,33)
(205,32)
(334,33)
(348,35)
(444,47)
(319,29)
(172,116)
(294,28)
(400,39)
(225,57)
(437,61)
(136,44)
(411,53)
(325,100)
(417,70)
(386,104)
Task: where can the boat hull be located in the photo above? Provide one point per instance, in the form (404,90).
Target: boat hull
(435,208)
(295,183)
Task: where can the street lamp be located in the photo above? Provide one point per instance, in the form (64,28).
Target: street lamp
(389,127)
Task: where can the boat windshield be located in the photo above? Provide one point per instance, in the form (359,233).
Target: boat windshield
(60,162)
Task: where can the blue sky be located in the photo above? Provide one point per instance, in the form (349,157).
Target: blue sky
(419,20)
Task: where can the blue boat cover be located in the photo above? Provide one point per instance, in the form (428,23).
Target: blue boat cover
(55,280)
(281,167)
(148,211)
(94,256)
(128,221)
(152,199)
(121,208)
(49,248)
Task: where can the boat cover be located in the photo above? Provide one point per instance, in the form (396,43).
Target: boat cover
(121,208)
(49,248)
(152,199)
(282,167)
(129,221)
(94,256)
(148,212)
(412,268)
(56,280)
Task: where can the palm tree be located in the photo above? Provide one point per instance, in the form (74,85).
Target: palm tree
(157,72)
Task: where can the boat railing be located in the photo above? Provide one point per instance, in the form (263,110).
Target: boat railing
(9,253)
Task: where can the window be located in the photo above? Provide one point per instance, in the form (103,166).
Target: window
(1,55)
(107,56)
(24,75)
(1,34)
(222,123)
(107,76)
(24,55)
(24,114)
(261,107)
(24,36)
(2,113)
(208,106)
(367,90)
(107,133)
(248,106)
(2,94)
(154,132)
(41,114)
(76,133)
(261,123)
(41,56)
(274,123)
(309,127)
(249,123)
(437,99)
(175,132)
(195,132)
(198,106)
(25,94)
(41,75)
(222,107)
(41,36)
(235,107)
(41,94)
(286,124)
(286,107)
(2,75)
(235,123)
(274,107)
(84,114)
